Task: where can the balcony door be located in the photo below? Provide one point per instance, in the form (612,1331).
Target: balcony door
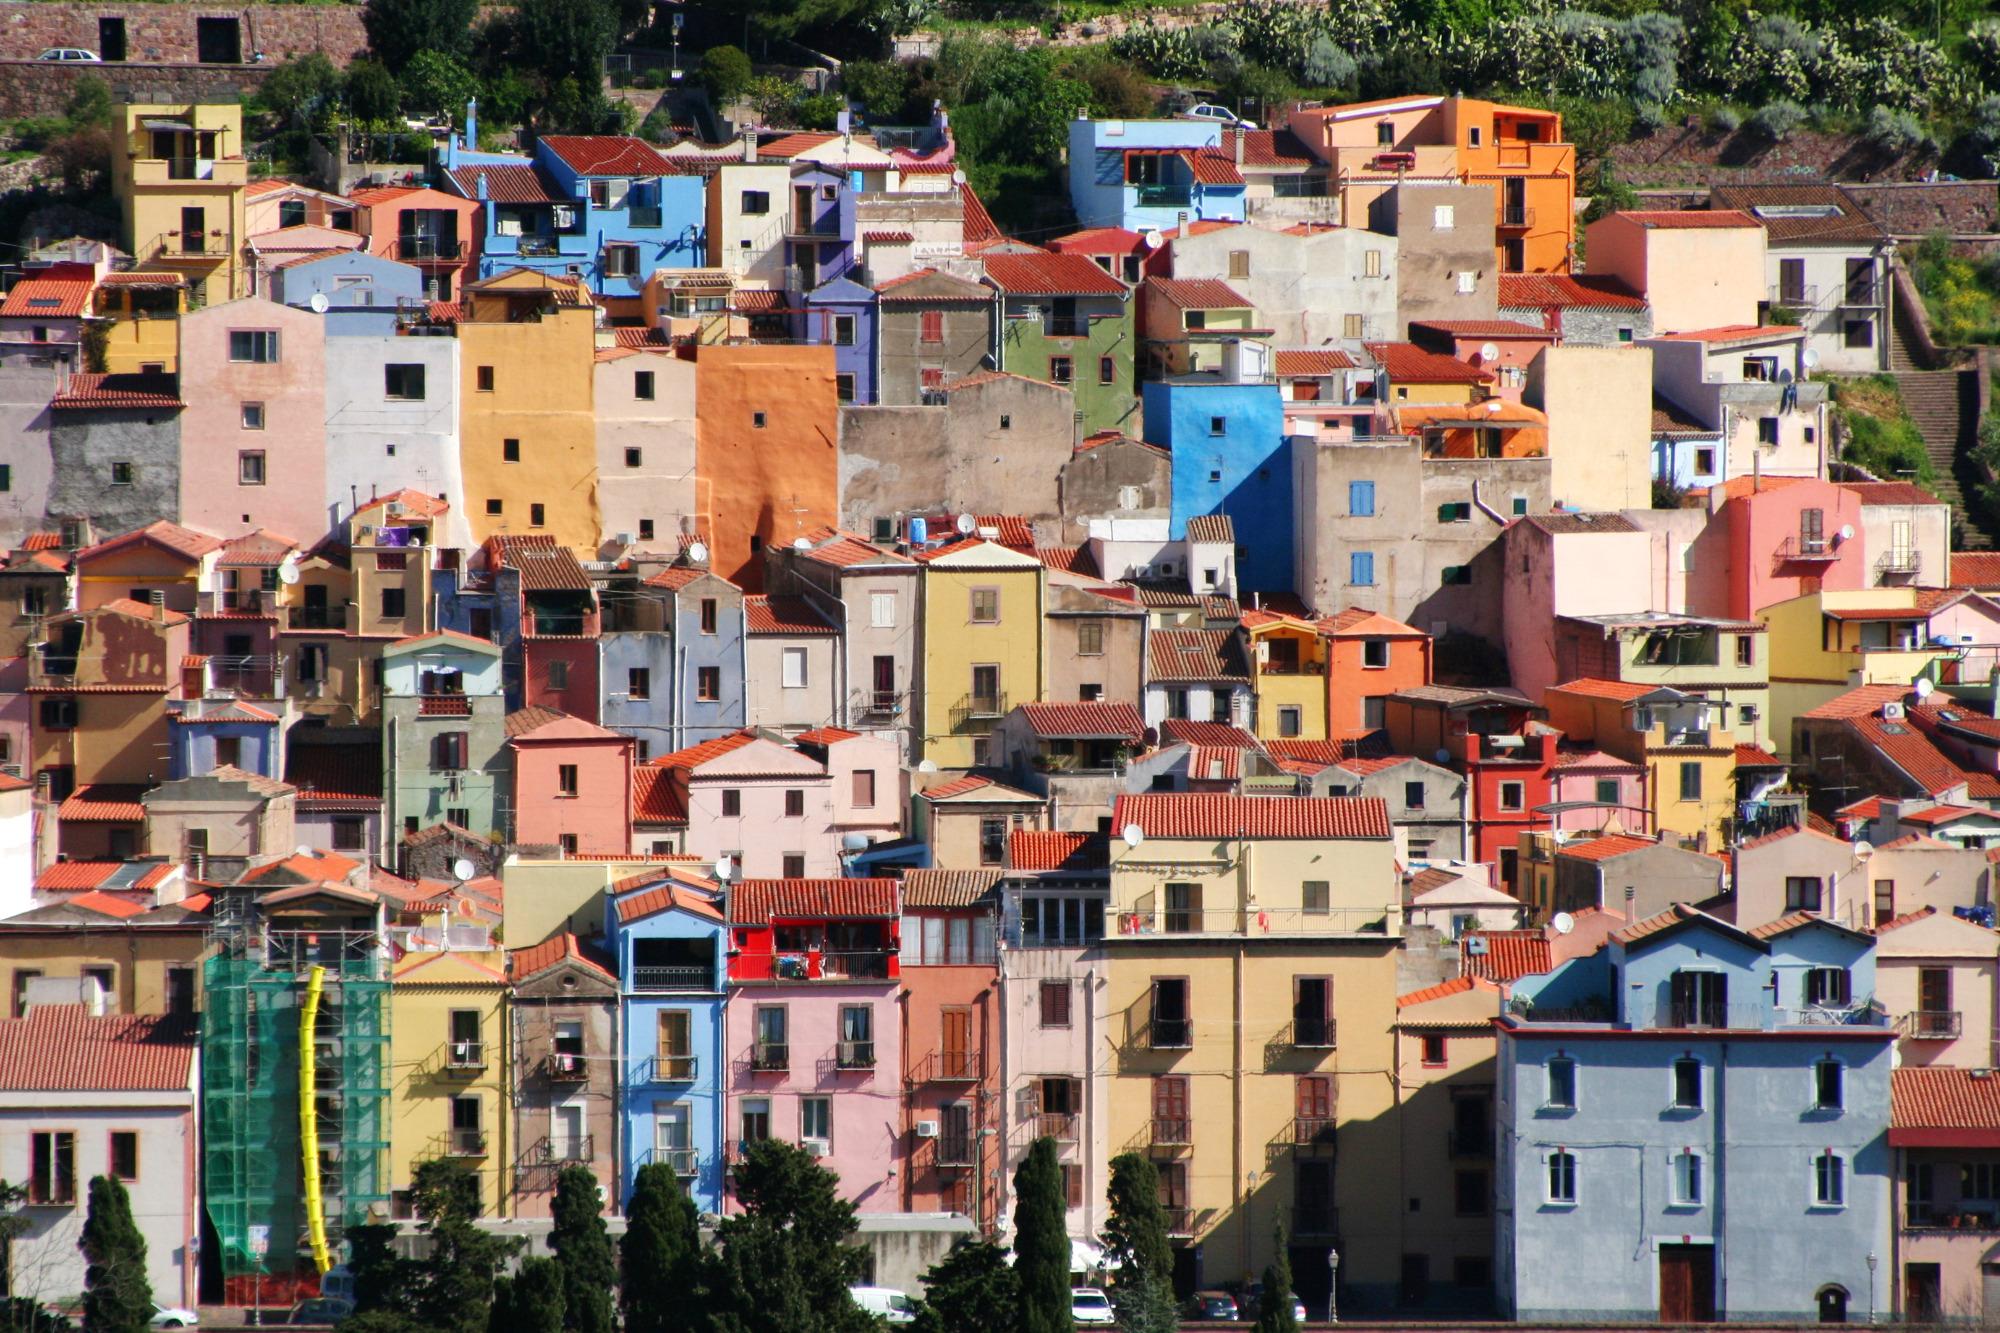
(956,1042)
(566,1136)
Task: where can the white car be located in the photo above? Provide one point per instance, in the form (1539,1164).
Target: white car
(1210,111)
(1088,1305)
(886,1303)
(75,55)
(173,1317)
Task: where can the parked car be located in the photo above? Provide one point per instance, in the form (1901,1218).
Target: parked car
(320,1311)
(1088,1305)
(887,1303)
(1253,1306)
(1211,1305)
(1210,111)
(174,1316)
(74,55)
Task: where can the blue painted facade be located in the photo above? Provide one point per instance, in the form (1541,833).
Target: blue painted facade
(1697,1098)
(843,312)
(1690,460)
(192,748)
(361,290)
(1120,177)
(650,720)
(702,719)
(1230,457)
(670,945)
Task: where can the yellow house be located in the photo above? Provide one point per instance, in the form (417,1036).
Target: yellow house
(527,432)
(148,964)
(1729,660)
(1444,1126)
(982,646)
(1826,643)
(1683,739)
(450,1078)
(178,174)
(1184,323)
(1250,951)
(1287,675)
(138,321)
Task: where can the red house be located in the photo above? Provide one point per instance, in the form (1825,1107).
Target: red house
(1495,738)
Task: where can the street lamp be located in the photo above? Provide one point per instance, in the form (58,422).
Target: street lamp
(1871,1286)
(1332,1285)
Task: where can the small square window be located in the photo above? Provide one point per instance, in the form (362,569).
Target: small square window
(1435,1051)
(843,388)
(510,451)
(1061,370)
(757,420)
(642,385)
(1006,421)
(403,382)
(558,675)
(122,474)
(635,457)
(253,416)
(1218,425)
(645,529)
(1107,370)
(493,507)
(250,467)
(536,515)
(485,379)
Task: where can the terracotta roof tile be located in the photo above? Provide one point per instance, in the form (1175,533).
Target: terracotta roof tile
(948,888)
(103,803)
(1519,291)
(1416,365)
(607,155)
(1311,361)
(335,777)
(1753,756)
(1099,241)
(1623,691)
(63,1048)
(506,183)
(783,615)
(1564,523)
(694,756)
(656,798)
(758,902)
(1036,850)
(1508,956)
(1909,750)
(667,897)
(825,736)
(792,143)
(1688,219)
(1776,209)
(1934,1097)
(1180,815)
(978,226)
(1603,849)
(1058,721)
(1218,735)
(1732,333)
(831,546)
(975,782)
(132,391)
(1047,274)
(47,298)
(1211,528)
(1195,654)
(1975,569)
(1269,148)
(1890,493)
(183,541)
(563,948)
(1197,293)
(1456,986)
(82,876)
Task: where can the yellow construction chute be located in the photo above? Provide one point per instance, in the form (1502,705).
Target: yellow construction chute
(309,1117)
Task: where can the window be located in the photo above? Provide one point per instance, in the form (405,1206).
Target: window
(732,803)
(1060,370)
(1443,216)
(1828,987)
(566,780)
(537,515)
(1090,638)
(1435,1053)
(1456,576)
(1218,426)
(1829,1084)
(1562,1176)
(123,474)
(1107,370)
(621,261)
(1829,1180)
(857,1037)
(1746,650)
(448,751)
(1177,704)
(843,330)
(1361,569)
(253,416)
(1561,1094)
(1687,1084)
(639,683)
(52,1167)
(350,833)
(1767,430)
(1857,333)
(1687,1179)
(992,841)
(642,389)
(255,345)
(228,751)
(1513,795)
(493,508)
(1607,791)
(795,803)
(756,202)
(843,387)
(1802,893)
(1691,781)
(794,665)
(708,615)
(485,379)
(125,1154)
(1361,499)
(816,1118)
(250,467)
(864,789)
(930,326)
(769,1024)
(1457,511)
(1316,897)
(985,606)
(1469,1193)
(510,451)
(393,603)
(1239,263)
(403,381)
(1291,720)
(1006,421)
(58,714)
(1055,997)
(1704,462)
(708,684)
(757,421)
(756,1122)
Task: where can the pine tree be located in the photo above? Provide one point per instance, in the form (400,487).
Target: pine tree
(1041,1241)
(1274,1308)
(531,1301)
(661,1258)
(1135,1232)
(117,1298)
(973,1289)
(381,1275)
(785,1263)
(583,1252)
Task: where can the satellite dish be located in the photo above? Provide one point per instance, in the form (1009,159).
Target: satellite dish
(855,842)
(462,869)
(698,552)
(1847,532)
(319,303)
(1924,688)
(725,866)
(305,849)
(965,524)
(927,766)
(1863,849)
(801,544)
(288,573)
(957,176)
(1443,756)
(1562,923)
(1811,357)
(1153,240)
(1133,835)
(1489,351)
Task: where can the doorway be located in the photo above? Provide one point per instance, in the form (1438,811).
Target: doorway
(1832,1302)
(1687,1284)
(1923,1285)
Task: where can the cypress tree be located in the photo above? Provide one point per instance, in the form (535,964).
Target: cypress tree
(583,1252)
(1274,1308)
(1135,1232)
(661,1257)
(117,1298)
(1041,1241)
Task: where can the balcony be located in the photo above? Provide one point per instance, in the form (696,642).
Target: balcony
(1317,1220)
(542,246)
(954,1150)
(685,1162)
(1931,1025)
(166,170)
(1170,1034)
(557,624)
(1898,561)
(443,705)
(1698,1014)
(564,1067)
(1059,1126)
(237,602)
(949,1067)
(1805,549)
(1460,1143)
(673,1069)
(770,1057)
(467,1055)
(799,228)
(430,249)
(1861,295)
(1516,216)
(879,703)
(1180,1223)
(465,1143)
(848,965)
(673,979)
(316,617)
(1171,1132)
(1313,1034)
(1164,196)
(854,1055)
(1314,1131)
(976,714)
(1066,326)
(1795,295)
(561,1152)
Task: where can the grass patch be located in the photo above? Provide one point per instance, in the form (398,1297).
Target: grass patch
(1880,435)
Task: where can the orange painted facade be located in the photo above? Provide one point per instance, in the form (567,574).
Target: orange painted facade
(1356,642)
(766,468)
(951,1062)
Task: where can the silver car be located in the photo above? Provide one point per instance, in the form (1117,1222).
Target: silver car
(74,55)
(1088,1305)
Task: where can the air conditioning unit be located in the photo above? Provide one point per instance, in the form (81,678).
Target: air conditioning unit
(1475,946)
(1892,711)
(927,1129)
(816,1147)
(10,770)
(394,509)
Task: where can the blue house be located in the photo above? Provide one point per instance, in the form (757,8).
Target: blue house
(1686,451)
(1693,1125)
(212,734)
(607,208)
(842,312)
(1152,174)
(360,291)
(670,943)
(704,614)
(1226,431)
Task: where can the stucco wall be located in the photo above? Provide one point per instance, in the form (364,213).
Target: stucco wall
(84,443)
(1599,402)
(292,390)
(376,445)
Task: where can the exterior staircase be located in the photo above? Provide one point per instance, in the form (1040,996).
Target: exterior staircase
(1944,405)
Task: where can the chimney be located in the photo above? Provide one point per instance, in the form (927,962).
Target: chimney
(843,122)
(1756,471)
(158,597)
(1239,148)
(472,123)
(749,144)
(482,186)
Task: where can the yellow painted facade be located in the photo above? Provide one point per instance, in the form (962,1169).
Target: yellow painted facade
(532,339)
(1817,656)
(1444,1125)
(1690,778)
(141,325)
(178,174)
(436,1067)
(139,960)
(982,647)
(1288,672)
(1281,1062)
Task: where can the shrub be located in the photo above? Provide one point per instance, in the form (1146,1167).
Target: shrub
(1327,66)
(1725,119)
(1892,132)
(1776,120)
(725,72)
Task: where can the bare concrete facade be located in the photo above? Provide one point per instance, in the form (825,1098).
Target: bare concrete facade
(566,1112)
(931,329)
(1114,481)
(1443,234)
(1327,285)
(1096,645)
(120,467)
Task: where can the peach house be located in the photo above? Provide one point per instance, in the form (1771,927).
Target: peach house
(437,232)
(1368,658)
(572,783)
(1935,973)
(1593,791)
(767,806)
(1504,348)
(870,784)
(1566,564)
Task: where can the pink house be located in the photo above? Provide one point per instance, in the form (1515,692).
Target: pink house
(253,434)
(1770,539)
(572,783)
(767,806)
(437,232)
(1503,348)
(1567,564)
(1590,789)
(869,784)
(813,1031)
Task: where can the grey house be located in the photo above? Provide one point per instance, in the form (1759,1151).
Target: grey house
(1425,800)
(115,450)
(931,328)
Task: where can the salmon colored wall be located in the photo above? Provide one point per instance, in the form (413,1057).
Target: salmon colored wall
(1348,682)
(774,481)
(928,991)
(599,814)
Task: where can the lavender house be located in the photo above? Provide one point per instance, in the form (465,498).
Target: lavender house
(842,312)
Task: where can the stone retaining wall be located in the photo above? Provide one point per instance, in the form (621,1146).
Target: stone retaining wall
(41,88)
(165,33)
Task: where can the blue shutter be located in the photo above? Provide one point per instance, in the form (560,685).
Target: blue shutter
(1361,499)
(1361,568)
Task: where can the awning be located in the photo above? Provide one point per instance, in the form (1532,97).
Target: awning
(181,125)
(1928,1136)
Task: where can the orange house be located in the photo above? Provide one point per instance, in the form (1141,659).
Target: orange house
(1368,658)
(438,232)
(765,463)
(1372,147)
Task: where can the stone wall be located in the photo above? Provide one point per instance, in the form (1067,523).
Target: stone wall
(165,33)
(1918,208)
(42,88)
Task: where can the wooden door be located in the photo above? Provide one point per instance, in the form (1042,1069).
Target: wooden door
(957,1043)
(1687,1284)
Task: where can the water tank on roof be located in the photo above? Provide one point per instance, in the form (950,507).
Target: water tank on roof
(920,531)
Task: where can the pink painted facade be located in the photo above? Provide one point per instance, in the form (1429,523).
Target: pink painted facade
(440,235)
(868,784)
(253,435)
(760,833)
(572,783)
(1561,565)
(1778,541)
(1590,778)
